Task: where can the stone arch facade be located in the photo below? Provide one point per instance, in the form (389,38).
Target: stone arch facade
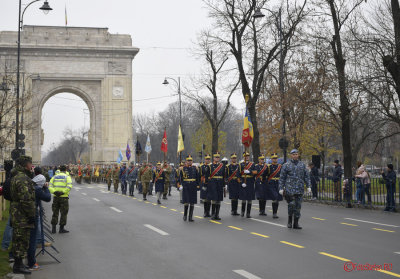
(88,62)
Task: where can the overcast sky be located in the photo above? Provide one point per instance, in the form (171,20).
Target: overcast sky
(163,30)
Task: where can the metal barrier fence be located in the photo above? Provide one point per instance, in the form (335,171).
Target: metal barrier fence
(367,195)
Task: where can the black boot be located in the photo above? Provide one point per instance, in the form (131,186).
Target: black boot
(191,213)
(185,212)
(207,209)
(248,210)
(144,197)
(164,196)
(212,210)
(53,229)
(243,208)
(234,207)
(216,215)
(62,230)
(262,207)
(158,202)
(19,267)
(289,224)
(296,224)
(275,210)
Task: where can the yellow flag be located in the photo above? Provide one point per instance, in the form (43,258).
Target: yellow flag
(97,173)
(181,147)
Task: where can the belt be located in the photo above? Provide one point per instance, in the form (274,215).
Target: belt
(247,176)
(189,180)
(217,177)
(275,178)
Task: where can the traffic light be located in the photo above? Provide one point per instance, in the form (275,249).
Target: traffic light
(201,154)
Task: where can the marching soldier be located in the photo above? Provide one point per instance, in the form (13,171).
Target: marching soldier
(145,175)
(233,184)
(159,179)
(122,178)
(260,185)
(294,175)
(247,192)
(109,177)
(178,170)
(131,177)
(215,187)
(115,178)
(167,182)
(204,174)
(188,183)
(272,180)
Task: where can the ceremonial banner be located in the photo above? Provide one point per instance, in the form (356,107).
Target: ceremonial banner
(247,134)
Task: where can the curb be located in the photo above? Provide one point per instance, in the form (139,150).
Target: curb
(14,276)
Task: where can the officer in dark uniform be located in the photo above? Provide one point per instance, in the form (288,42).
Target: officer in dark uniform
(260,185)
(159,180)
(233,183)
(215,188)
(247,192)
(189,181)
(205,173)
(272,181)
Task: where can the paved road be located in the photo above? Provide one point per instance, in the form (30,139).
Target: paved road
(115,236)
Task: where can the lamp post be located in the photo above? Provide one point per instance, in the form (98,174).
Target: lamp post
(178,83)
(45,8)
(283,143)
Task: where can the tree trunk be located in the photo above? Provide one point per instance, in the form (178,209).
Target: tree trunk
(214,144)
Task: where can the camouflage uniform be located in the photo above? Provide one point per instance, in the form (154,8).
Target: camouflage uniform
(115,177)
(145,174)
(109,178)
(22,210)
(167,185)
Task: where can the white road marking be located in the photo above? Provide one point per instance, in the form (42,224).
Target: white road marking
(115,209)
(104,192)
(398,253)
(84,194)
(271,223)
(246,274)
(369,222)
(90,187)
(76,187)
(156,230)
(96,199)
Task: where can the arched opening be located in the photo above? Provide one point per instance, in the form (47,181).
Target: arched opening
(65,127)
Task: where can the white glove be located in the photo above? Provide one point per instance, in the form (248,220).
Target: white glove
(281,192)
(204,188)
(246,171)
(151,181)
(180,188)
(244,185)
(308,190)
(226,187)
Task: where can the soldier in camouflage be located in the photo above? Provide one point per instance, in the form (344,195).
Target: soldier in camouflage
(115,178)
(294,175)
(22,211)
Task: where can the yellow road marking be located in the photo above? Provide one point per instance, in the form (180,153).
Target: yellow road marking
(154,203)
(292,244)
(262,235)
(146,202)
(347,224)
(269,210)
(173,209)
(382,230)
(235,228)
(163,206)
(198,217)
(318,218)
(134,198)
(140,200)
(182,212)
(215,222)
(389,273)
(335,257)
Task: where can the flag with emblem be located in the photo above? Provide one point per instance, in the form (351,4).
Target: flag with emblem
(247,134)
(120,157)
(164,142)
(128,152)
(148,145)
(181,146)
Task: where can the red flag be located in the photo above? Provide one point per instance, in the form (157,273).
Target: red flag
(164,142)
(79,171)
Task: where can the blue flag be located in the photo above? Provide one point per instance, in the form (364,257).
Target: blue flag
(148,145)
(128,152)
(120,157)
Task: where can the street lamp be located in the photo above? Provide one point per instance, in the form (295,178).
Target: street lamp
(283,142)
(178,83)
(45,8)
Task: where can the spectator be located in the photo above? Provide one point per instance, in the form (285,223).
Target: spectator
(314,177)
(42,193)
(390,180)
(359,184)
(337,177)
(366,185)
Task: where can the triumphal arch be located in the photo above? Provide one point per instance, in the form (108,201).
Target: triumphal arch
(89,62)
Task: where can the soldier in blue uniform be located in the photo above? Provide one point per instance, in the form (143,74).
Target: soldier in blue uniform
(159,180)
(189,184)
(260,184)
(233,183)
(204,174)
(215,188)
(247,192)
(272,181)
(294,175)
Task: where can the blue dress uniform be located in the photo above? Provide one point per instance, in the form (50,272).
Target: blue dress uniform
(204,174)
(272,180)
(261,185)
(189,179)
(247,192)
(232,180)
(159,181)
(215,187)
